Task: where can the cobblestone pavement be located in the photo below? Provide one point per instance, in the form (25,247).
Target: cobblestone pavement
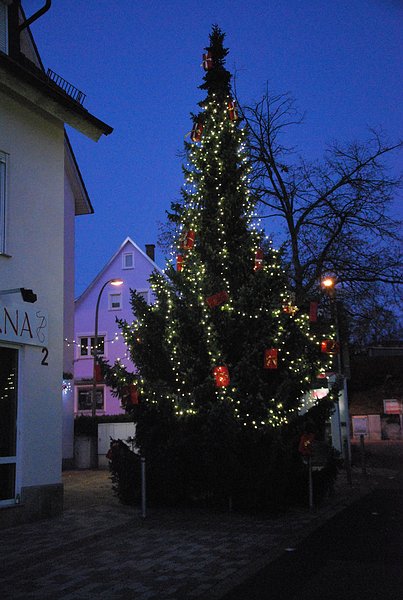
(101,549)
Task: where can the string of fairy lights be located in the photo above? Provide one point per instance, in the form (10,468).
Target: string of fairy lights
(204,176)
(211,164)
(115,339)
(204,163)
(8,389)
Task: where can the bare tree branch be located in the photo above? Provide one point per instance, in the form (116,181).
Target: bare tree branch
(335,213)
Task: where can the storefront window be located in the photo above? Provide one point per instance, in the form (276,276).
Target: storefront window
(8,421)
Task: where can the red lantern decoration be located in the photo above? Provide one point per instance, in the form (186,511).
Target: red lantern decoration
(271,358)
(130,395)
(98,374)
(208,60)
(233,111)
(258,260)
(329,347)
(179,263)
(217,299)
(197,131)
(313,312)
(221,376)
(134,395)
(187,239)
(305,444)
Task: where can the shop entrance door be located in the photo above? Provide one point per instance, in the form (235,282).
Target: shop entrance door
(8,423)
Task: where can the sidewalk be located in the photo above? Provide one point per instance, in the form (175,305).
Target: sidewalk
(102,549)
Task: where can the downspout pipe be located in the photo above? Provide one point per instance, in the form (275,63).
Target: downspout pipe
(35,16)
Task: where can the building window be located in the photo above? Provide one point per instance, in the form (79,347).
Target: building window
(128,260)
(115,301)
(3,28)
(84,398)
(87,346)
(3,200)
(144,294)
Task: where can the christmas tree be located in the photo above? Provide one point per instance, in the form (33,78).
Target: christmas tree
(223,352)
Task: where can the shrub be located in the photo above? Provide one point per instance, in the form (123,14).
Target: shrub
(209,459)
(125,468)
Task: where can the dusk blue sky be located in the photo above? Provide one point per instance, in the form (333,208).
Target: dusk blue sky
(139,62)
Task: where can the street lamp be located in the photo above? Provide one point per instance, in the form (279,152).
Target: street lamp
(329,285)
(115,282)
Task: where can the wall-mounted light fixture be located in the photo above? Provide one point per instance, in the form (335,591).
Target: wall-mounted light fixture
(26,294)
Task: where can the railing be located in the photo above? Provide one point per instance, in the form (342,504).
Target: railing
(67,87)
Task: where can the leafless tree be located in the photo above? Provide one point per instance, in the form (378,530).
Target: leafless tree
(335,214)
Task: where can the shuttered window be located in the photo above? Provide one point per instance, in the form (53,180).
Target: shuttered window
(3,28)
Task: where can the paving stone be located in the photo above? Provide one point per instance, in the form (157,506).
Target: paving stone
(101,549)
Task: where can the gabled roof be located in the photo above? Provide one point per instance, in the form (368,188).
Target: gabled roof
(128,240)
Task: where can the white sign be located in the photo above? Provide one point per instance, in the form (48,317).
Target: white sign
(392,407)
(360,425)
(23,324)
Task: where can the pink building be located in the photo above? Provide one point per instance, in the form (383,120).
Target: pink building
(134,267)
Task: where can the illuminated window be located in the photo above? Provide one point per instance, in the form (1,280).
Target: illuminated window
(84,398)
(128,260)
(87,346)
(3,200)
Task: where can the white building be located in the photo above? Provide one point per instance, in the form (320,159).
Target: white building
(41,190)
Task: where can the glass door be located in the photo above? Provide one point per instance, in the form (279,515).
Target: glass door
(8,422)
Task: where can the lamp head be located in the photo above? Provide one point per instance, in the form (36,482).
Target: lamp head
(28,295)
(116,282)
(328,283)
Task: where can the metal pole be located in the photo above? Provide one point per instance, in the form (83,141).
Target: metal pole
(336,426)
(343,394)
(362,454)
(143,487)
(95,355)
(347,462)
(310,483)
(94,459)
(339,369)
(347,414)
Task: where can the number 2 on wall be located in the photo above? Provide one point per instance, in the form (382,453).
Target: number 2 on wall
(44,360)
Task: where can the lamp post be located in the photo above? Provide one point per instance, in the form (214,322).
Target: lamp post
(115,282)
(342,425)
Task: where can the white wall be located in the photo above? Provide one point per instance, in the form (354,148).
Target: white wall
(116,431)
(35,243)
(68,347)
